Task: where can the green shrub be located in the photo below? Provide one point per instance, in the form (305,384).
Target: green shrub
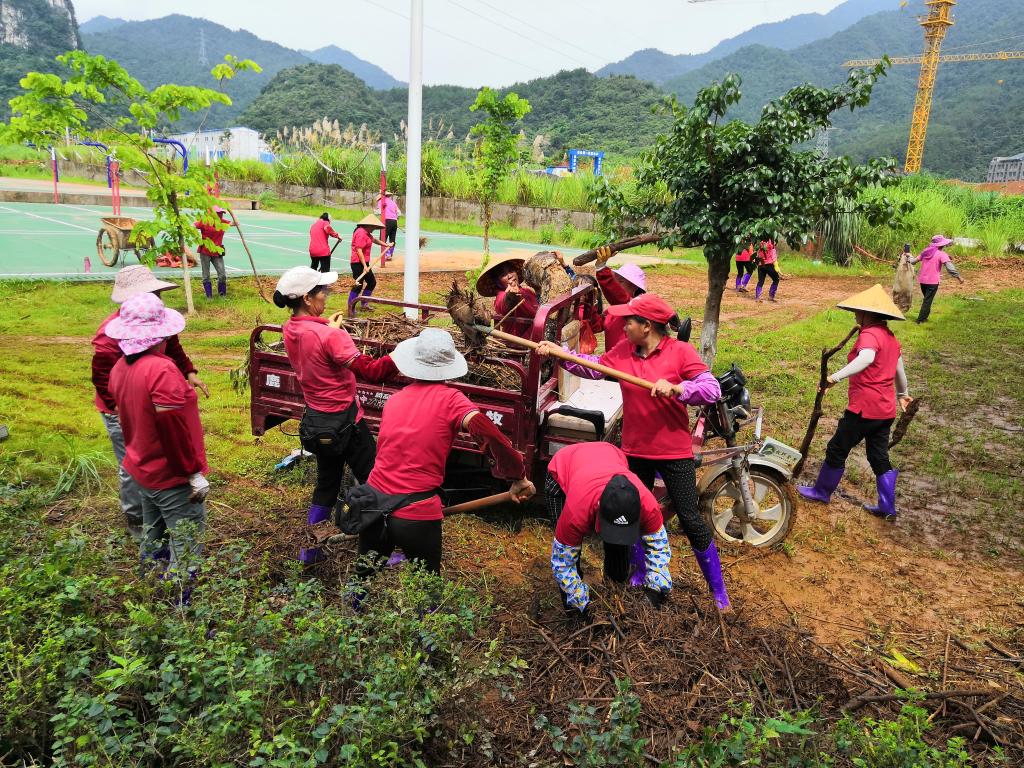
(105,670)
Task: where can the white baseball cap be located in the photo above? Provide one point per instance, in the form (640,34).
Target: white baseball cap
(298,281)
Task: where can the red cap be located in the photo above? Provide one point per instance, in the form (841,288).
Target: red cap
(647,305)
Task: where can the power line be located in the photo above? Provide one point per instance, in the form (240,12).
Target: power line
(489,20)
(488,51)
(545,32)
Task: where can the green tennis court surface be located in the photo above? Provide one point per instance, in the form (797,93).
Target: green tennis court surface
(52,241)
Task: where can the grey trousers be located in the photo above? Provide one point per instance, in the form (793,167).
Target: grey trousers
(218,264)
(130,492)
(172,526)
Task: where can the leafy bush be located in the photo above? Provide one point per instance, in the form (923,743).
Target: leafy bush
(101,670)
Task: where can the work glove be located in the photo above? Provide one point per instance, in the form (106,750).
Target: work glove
(655,597)
(200,488)
(603,254)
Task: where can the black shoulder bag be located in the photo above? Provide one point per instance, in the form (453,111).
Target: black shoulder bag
(364,505)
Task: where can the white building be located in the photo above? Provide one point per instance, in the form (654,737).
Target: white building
(1006,169)
(236,143)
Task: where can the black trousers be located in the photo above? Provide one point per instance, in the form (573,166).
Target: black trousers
(320,263)
(370,282)
(928,291)
(767,270)
(744,267)
(419,540)
(390,230)
(616,556)
(680,478)
(360,453)
(852,429)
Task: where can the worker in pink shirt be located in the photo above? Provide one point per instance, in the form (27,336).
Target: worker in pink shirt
(767,257)
(932,260)
(319,248)
(744,267)
(390,213)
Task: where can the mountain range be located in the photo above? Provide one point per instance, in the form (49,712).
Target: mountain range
(659,67)
(974,117)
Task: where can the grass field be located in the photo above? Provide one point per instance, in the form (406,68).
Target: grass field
(952,563)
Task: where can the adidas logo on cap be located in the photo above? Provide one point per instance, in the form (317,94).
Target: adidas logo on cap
(620,520)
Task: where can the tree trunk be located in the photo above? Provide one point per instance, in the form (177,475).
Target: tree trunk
(487,229)
(190,306)
(718,275)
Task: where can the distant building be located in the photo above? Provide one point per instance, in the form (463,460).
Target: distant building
(235,143)
(1006,169)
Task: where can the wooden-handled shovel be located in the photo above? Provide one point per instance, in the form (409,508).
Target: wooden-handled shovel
(561,354)
(328,536)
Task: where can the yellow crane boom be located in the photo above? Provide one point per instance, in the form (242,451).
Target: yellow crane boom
(947,57)
(936,24)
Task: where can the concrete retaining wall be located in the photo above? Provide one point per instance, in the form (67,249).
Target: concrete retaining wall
(440,208)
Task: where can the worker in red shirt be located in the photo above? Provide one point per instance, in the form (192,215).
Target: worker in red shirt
(655,424)
(515,303)
(877,381)
(319,243)
(326,363)
(618,286)
(744,267)
(767,257)
(131,281)
(363,241)
(164,451)
(418,428)
(590,488)
(211,250)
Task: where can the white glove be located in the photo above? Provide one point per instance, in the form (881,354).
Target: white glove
(200,488)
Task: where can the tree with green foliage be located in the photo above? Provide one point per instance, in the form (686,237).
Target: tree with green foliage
(497,148)
(97,99)
(723,184)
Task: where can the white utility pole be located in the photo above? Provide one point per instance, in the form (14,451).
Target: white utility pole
(414,122)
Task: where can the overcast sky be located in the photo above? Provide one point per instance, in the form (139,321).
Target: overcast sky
(480,42)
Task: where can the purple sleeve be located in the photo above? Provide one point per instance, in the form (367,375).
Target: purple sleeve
(702,389)
(578,370)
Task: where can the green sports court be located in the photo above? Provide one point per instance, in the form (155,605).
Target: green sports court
(52,241)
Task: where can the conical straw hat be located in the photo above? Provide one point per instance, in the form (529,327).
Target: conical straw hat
(875,299)
(487,283)
(369,220)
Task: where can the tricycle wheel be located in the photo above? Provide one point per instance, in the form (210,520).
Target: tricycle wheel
(722,505)
(108,246)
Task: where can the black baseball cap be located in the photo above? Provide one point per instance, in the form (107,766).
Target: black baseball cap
(619,512)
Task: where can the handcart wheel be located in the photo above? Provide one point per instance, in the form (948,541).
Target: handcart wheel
(108,246)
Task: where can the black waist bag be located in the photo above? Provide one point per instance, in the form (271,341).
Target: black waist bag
(327,434)
(364,505)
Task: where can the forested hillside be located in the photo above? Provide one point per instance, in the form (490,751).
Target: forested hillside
(32,33)
(572,107)
(976,114)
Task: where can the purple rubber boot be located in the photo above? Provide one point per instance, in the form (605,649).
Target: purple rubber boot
(886,506)
(208,289)
(638,565)
(711,567)
(317,514)
(746,279)
(824,486)
(396,559)
(772,290)
(757,292)
(739,279)
(222,288)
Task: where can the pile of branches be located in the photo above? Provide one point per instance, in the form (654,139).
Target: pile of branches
(389,329)
(689,666)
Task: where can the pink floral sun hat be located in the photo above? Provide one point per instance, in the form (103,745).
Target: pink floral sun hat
(143,323)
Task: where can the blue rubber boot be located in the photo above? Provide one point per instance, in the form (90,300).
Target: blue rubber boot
(824,486)
(711,567)
(886,506)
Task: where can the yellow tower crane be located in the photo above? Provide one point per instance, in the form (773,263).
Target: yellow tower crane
(936,24)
